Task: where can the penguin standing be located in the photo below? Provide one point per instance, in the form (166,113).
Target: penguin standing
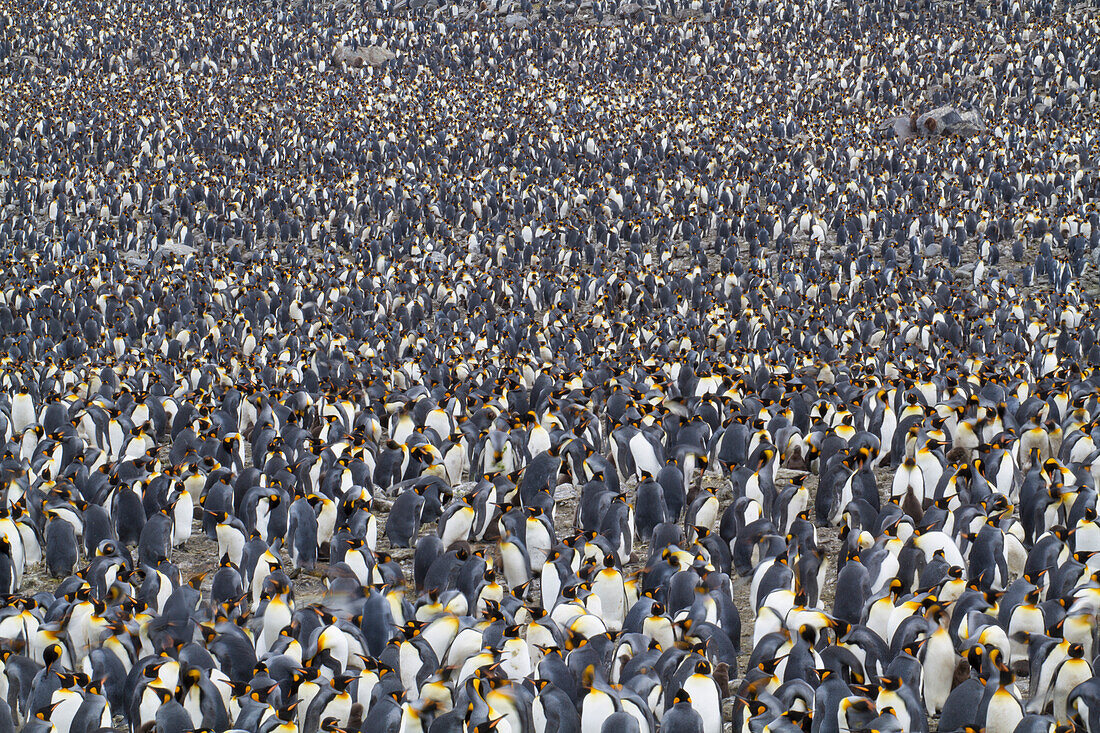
(403,524)
(682,717)
(155,543)
(608,586)
(62,551)
(705,697)
(302,534)
(456,523)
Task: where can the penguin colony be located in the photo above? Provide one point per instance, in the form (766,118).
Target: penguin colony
(558,343)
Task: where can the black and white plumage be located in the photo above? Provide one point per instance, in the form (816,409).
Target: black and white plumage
(636,321)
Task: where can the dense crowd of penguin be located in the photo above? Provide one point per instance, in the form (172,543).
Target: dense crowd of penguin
(614,370)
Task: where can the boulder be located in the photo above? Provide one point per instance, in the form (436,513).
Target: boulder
(516,20)
(941,121)
(949,120)
(168,249)
(368,56)
(903,128)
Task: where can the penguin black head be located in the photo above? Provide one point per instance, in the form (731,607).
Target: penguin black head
(51,654)
(95,687)
(260,694)
(859,705)
(755,707)
(488,725)
(45,712)
(890,683)
(287,712)
(412,629)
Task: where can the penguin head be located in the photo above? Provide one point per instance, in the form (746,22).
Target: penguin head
(890,683)
(287,713)
(94,687)
(755,707)
(44,713)
(859,705)
(341,682)
(152,671)
(488,726)
(191,676)
(260,694)
(411,629)
(70,680)
(52,653)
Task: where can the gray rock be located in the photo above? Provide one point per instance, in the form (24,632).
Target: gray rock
(629,9)
(566,491)
(902,127)
(369,56)
(942,121)
(168,249)
(950,121)
(141,260)
(179,250)
(516,20)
